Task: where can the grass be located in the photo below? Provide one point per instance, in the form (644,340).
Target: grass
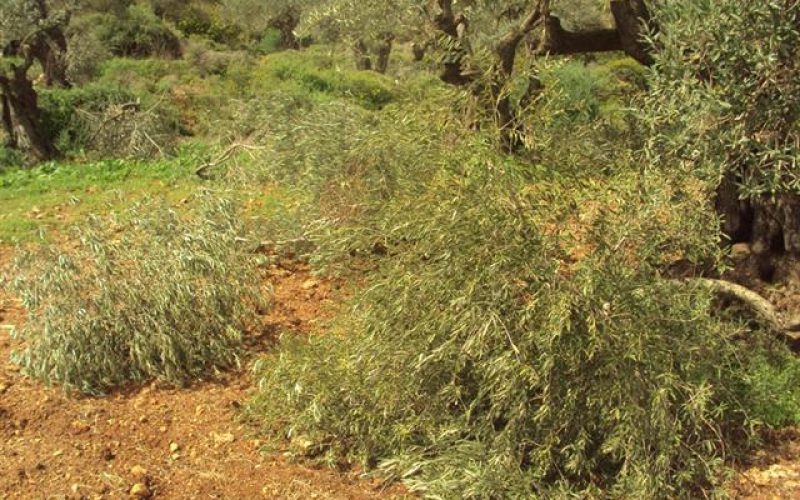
(54,195)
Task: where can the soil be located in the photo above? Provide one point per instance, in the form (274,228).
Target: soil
(158,441)
(162,442)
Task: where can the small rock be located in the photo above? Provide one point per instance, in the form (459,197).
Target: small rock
(58,453)
(310,285)
(174,447)
(740,251)
(79,427)
(75,487)
(138,472)
(107,454)
(3,387)
(140,490)
(224,438)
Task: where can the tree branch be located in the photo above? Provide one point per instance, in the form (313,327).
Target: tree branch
(763,308)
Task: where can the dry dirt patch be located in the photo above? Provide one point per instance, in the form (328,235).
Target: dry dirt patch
(159,441)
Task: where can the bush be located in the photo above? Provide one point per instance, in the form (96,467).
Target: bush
(61,107)
(270,43)
(137,33)
(520,341)
(87,51)
(10,158)
(109,121)
(308,72)
(147,294)
(207,60)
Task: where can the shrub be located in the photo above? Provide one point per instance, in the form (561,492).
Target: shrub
(520,341)
(207,60)
(307,72)
(137,33)
(60,108)
(723,103)
(109,121)
(10,158)
(774,386)
(146,294)
(270,43)
(87,51)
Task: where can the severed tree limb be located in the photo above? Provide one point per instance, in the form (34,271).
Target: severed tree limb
(763,308)
(226,155)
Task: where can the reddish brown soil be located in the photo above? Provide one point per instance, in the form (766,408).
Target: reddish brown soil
(58,446)
(180,443)
(774,472)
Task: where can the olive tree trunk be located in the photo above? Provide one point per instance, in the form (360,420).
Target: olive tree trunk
(21,107)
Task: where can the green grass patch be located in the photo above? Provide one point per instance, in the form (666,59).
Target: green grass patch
(323,76)
(51,196)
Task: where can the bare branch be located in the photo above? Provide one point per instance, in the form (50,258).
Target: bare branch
(763,308)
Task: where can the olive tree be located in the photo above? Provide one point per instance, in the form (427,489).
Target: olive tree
(370,27)
(257,16)
(723,105)
(30,31)
(484,40)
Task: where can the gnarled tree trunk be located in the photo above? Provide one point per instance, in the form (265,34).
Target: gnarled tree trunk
(361,53)
(23,106)
(8,122)
(383,52)
(286,23)
(633,20)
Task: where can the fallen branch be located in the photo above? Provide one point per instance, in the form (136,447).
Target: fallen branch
(223,157)
(763,308)
(269,246)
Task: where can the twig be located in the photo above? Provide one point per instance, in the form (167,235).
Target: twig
(223,157)
(124,109)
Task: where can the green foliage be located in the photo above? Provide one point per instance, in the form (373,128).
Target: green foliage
(200,18)
(319,76)
(726,89)
(269,43)
(87,50)
(519,343)
(108,120)
(255,17)
(153,76)
(60,107)
(10,158)
(774,386)
(580,90)
(137,33)
(146,294)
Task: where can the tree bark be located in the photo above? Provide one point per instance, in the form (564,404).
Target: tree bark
(8,123)
(50,50)
(361,53)
(286,23)
(558,41)
(383,52)
(24,107)
(633,20)
(506,53)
